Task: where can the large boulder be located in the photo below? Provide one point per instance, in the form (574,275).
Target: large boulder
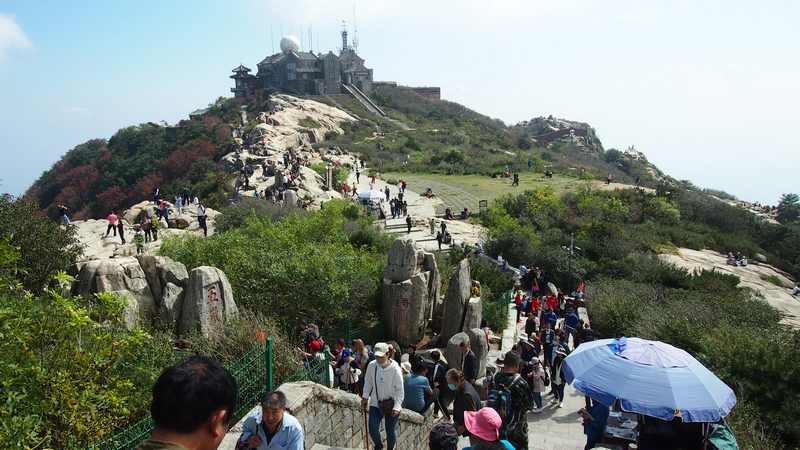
(457,298)
(404,308)
(411,286)
(480,345)
(402,261)
(452,352)
(208,303)
(289,198)
(124,277)
(167,280)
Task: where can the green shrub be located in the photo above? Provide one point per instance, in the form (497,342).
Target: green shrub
(316,266)
(44,248)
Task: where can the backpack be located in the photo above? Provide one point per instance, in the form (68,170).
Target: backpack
(499,399)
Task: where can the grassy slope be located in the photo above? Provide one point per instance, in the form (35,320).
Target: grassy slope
(460,191)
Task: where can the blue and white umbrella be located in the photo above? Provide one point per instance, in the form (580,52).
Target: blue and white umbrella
(650,378)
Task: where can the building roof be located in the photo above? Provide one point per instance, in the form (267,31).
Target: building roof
(278,57)
(241,68)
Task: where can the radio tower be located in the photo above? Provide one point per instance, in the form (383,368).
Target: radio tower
(355,30)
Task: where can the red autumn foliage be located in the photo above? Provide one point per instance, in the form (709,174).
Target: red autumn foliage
(145,187)
(113,198)
(182,159)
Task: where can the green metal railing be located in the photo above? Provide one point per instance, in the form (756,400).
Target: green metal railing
(254,376)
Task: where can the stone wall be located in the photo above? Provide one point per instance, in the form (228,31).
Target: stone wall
(334,418)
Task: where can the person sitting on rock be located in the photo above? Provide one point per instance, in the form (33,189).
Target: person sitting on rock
(448,214)
(465,214)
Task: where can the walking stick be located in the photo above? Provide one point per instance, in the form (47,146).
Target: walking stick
(366,430)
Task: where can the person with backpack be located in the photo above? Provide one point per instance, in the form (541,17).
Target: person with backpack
(510,396)
(465,398)
(383,394)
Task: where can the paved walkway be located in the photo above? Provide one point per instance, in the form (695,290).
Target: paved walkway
(421,210)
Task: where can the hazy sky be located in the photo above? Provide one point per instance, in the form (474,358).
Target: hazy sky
(709,90)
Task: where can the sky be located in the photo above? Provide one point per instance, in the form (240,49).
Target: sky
(708,90)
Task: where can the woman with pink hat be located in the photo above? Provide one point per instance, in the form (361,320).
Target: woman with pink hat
(483,426)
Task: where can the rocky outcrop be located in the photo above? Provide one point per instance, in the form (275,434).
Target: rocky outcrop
(167,280)
(410,288)
(480,345)
(124,277)
(458,297)
(208,303)
(160,292)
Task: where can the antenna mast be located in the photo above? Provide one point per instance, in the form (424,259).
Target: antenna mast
(355,29)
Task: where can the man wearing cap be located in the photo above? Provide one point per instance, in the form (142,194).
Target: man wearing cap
(510,393)
(383,393)
(484,429)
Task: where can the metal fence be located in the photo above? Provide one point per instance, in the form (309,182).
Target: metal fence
(254,377)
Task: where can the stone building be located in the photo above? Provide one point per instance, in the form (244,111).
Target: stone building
(304,73)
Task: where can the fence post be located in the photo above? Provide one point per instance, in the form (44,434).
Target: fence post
(269,363)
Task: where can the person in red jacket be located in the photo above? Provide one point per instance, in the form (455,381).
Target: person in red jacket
(112,223)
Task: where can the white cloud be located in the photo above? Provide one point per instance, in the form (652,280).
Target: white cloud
(12,37)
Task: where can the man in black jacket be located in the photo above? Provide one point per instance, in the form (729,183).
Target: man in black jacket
(469,362)
(437,378)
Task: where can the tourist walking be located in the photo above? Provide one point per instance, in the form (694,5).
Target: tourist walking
(438,381)
(439,239)
(386,192)
(383,394)
(432,224)
(408,224)
(465,398)
(272,427)
(538,383)
(112,223)
(154,226)
(511,397)
(558,379)
(201,218)
(121,229)
(548,342)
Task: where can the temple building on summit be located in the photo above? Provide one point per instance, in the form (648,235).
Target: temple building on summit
(294,71)
(305,73)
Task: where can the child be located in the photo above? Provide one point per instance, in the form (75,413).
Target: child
(138,239)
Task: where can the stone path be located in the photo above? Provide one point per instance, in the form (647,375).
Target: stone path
(421,210)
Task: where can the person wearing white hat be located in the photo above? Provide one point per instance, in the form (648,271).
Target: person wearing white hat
(383,394)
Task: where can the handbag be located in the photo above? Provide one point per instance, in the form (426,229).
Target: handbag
(546,379)
(385,406)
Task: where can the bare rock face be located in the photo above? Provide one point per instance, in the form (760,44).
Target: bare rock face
(410,287)
(124,277)
(402,260)
(289,198)
(480,345)
(458,295)
(167,280)
(452,351)
(208,303)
